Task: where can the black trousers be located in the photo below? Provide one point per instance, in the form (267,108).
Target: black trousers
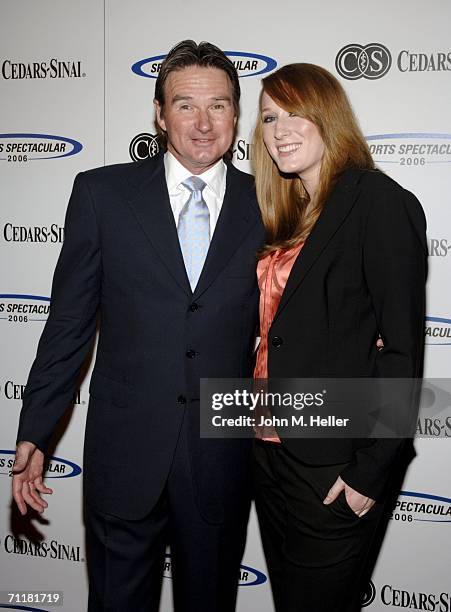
(126,558)
(316,554)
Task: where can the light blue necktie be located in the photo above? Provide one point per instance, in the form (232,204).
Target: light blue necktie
(194,230)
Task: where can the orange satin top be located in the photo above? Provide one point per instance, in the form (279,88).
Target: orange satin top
(272,273)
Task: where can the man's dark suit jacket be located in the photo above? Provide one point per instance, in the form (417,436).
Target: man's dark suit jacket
(121,258)
(361,273)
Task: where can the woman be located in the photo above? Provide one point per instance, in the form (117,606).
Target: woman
(344,262)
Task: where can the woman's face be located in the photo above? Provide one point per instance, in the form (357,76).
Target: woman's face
(294,143)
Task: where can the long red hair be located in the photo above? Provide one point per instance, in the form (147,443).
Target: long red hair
(311,92)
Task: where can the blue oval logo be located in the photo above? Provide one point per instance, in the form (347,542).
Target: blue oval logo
(24,296)
(61,468)
(437,331)
(29,147)
(249,576)
(14,607)
(247,64)
(167,569)
(410,149)
(22,307)
(56,467)
(412,506)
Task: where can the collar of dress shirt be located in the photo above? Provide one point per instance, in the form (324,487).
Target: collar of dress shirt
(214,177)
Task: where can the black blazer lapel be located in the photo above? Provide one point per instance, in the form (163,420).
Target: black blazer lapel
(152,208)
(238,215)
(336,209)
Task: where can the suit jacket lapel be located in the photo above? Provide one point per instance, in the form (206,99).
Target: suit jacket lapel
(152,208)
(239,213)
(336,209)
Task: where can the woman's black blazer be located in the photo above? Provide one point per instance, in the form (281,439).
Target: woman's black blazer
(361,273)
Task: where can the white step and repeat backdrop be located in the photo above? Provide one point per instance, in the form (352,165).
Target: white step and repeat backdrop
(76,90)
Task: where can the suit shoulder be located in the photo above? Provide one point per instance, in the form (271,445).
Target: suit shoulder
(389,201)
(119,172)
(378,181)
(378,187)
(239,175)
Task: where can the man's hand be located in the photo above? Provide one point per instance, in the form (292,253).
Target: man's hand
(359,504)
(27,479)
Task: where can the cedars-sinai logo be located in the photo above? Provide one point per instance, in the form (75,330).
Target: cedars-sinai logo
(143,146)
(369,595)
(247,64)
(21,147)
(355,61)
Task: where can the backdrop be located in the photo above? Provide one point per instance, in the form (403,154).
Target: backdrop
(77,82)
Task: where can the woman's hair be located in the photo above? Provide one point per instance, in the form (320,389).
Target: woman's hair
(313,93)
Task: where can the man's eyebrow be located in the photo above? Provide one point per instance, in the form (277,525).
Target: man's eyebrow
(178,98)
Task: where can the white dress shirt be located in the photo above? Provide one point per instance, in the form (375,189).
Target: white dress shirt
(213,193)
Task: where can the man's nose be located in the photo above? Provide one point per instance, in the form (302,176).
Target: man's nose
(203,122)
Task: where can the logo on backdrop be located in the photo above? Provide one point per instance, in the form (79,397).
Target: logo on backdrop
(434,420)
(29,147)
(55,467)
(23,308)
(374,60)
(143,146)
(19,607)
(415,600)
(438,331)
(371,61)
(410,149)
(247,64)
(413,506)
(249,576)
(50,234)
(49,69)
(369,595)
(439,247)
(47,549)
(424,62)
(242,150)
(12,390)
(146,145)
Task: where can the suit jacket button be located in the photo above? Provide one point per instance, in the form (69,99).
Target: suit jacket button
(193,307)
(190,354)
(181,399)
(277,341)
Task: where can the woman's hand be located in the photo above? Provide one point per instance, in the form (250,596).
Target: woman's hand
(359,504)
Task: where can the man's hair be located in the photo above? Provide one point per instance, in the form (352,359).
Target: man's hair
(189,53)
(312,92)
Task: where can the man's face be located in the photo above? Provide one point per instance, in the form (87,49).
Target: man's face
(198,117)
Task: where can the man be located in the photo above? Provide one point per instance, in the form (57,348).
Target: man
(135,251)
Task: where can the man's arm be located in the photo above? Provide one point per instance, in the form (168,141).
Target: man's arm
(66,339)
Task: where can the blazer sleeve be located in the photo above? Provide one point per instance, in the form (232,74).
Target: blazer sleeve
(395,267)
(69,332)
